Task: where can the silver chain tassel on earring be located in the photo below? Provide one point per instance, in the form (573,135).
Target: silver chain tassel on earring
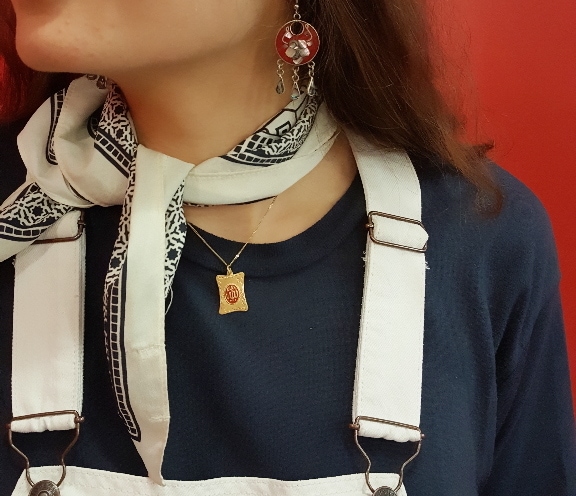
(295,84)
(311,88)
(280,88)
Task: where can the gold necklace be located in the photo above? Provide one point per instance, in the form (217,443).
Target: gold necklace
(231,286)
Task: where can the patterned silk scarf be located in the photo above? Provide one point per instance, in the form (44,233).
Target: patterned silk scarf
(80,150)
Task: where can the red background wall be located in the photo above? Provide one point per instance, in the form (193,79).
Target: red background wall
(523,58)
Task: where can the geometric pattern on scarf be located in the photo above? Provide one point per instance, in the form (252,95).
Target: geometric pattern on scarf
(279,139)
(56,104)
(112,132)
(114,307)
(31,213)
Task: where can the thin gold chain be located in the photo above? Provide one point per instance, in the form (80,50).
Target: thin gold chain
(237,256)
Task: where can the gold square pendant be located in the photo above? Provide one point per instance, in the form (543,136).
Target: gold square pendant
(232,295)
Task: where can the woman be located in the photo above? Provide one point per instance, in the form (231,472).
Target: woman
(244,385)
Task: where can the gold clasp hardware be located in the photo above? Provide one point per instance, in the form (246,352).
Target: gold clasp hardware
(81,227)
(384,491)
(77,421)
(370,227)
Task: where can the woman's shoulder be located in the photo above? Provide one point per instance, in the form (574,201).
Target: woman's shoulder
(520,205)
(442,185)
(452,207)
(507,256)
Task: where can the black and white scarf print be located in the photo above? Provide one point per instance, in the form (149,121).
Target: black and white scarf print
(80,150)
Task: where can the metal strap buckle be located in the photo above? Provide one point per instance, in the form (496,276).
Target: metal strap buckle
(384,490)
(370,227)
(77,421)
(81,227)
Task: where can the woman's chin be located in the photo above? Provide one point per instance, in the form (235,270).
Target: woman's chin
(44,48)
(46,57)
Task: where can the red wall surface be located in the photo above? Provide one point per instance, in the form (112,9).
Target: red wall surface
(523,58)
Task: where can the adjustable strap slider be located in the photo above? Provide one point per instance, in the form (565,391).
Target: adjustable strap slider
(81,223)
(397,232)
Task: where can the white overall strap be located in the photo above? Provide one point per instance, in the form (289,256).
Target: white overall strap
(47,347)
(388,383)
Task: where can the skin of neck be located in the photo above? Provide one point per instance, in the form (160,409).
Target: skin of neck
(202,109)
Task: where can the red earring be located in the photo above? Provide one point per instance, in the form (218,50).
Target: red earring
(297,43)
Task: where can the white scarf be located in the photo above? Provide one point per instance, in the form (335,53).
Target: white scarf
(80,150)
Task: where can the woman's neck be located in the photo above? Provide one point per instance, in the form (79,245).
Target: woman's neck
(203,110)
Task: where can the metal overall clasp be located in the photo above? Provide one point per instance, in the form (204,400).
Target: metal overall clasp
(46,487)
(384,490)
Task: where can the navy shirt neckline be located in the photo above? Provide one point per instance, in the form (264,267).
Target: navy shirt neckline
(273,259)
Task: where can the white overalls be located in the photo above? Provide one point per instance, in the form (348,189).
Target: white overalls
(47,368)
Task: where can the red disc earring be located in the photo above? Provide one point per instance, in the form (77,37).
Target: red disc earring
(297,42)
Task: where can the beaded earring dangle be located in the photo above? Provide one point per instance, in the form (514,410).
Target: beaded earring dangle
(297,43)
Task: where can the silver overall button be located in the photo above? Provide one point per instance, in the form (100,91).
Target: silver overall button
(385,491)
(44,488)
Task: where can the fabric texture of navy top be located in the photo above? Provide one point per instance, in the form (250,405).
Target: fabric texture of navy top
(267,393)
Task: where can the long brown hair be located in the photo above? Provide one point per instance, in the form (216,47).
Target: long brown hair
(378,72)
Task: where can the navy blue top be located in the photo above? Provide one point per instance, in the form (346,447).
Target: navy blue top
(268,393)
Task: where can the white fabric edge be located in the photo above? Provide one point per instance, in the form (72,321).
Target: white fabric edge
(89,482)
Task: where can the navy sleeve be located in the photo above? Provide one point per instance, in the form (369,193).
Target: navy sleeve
(534,452)
(535,443)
